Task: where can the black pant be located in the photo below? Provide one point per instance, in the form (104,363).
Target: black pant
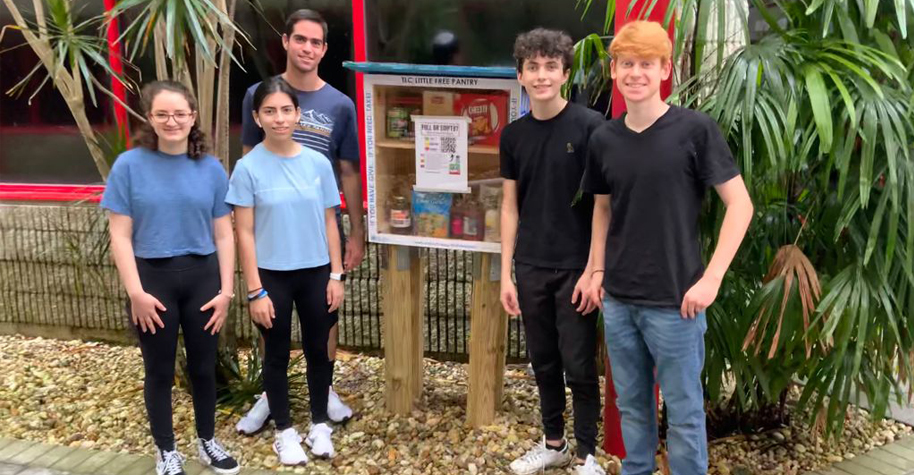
(183,284)
(560,340)
(307,290)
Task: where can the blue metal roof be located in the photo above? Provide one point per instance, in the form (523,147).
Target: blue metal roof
(431,70)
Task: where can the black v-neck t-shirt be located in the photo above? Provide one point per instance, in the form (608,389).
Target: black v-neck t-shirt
(547,159)
(657,181)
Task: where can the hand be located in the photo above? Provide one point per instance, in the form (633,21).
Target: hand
(595,290)
(220,305)
(355,250)
(262,312)
(143,308)
(509,297)
(334,295)
(700,296)
(580,292)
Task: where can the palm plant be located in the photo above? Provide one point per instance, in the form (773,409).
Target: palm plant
(818,113)
(819,116)
(191,40)
(198,33)
(69,50)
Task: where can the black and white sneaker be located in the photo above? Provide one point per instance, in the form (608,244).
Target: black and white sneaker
(213,455)
(169,462)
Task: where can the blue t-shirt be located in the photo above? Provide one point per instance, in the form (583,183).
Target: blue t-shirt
(289,196)
(327,123)
(172,200)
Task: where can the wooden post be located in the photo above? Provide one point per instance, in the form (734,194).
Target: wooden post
(403,299)
(488,335)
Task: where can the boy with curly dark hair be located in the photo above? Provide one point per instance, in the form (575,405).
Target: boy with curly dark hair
(542,161)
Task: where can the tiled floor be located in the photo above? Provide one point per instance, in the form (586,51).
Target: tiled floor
(18,457)
(896,458)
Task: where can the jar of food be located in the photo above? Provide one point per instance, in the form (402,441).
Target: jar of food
(473,220)
(399,113)
(401,220)
(397,122)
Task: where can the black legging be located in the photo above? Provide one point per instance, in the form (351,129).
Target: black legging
(183,284)
(307,290)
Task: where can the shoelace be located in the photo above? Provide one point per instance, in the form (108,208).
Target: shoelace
(537,455)
(215,450)
(173,462)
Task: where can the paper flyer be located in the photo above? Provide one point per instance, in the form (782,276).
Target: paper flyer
(441,153)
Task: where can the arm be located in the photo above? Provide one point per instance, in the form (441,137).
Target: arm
(736,221)
(334,287)
(509,218)
(142,305)
(262,311)
(225,251)
(582,286)
(247,252)
(352,191)
(602,214)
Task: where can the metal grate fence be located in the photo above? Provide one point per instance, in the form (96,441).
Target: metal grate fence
(55,271)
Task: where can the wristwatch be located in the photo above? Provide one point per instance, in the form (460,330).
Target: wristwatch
(340,277)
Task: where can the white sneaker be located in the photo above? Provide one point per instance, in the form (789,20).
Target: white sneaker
(336,410)
(256,419)
(169,463)
(590,467)
(288,447)
(540,458)
(319,441)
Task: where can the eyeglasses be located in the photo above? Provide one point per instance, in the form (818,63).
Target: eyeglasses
(181,117)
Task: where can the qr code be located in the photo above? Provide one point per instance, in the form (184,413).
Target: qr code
(448,144)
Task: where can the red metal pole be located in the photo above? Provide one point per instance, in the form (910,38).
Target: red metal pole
(360,54)
(117,87)
(612,428)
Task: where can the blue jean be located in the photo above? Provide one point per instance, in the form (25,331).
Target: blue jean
(638,339)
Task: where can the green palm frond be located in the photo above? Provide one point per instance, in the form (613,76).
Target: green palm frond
(76,48)
(589,71)
(187,22)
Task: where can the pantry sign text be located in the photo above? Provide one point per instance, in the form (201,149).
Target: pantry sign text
(438,81)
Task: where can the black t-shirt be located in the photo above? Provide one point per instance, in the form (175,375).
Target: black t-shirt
(547,159)
(657,181)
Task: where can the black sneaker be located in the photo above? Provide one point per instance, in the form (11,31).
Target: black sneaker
(213,454)
(169,462)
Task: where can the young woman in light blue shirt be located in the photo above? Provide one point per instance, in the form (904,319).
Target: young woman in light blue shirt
(171,238)
(284,197)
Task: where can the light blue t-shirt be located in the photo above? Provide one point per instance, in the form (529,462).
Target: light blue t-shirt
(289,196)
(172,200)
